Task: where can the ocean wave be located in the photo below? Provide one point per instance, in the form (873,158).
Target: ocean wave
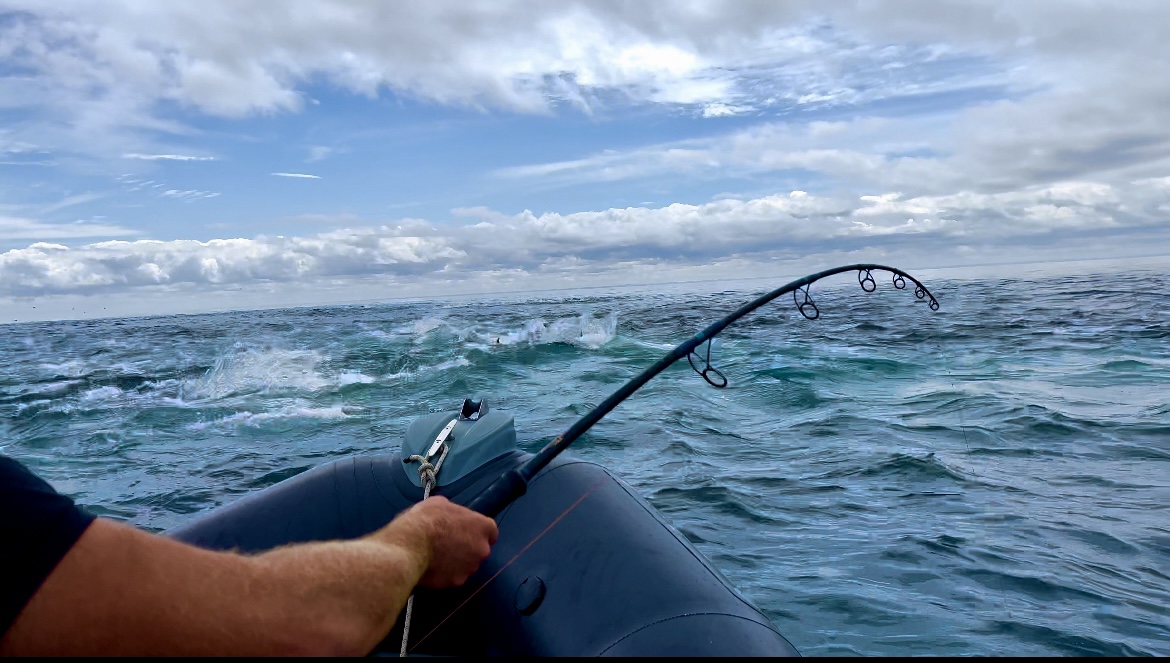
(247,371)
(346,379)
(425,325)
(441,366)
(899,465)
(583,331)
(722,499)
(383,335)
(249,418)
(927,460)
(1059,640)
(71,368)
(27,393)
(105,393)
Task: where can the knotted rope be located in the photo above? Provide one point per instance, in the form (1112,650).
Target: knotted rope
(426,474)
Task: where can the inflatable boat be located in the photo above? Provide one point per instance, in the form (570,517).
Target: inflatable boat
(583,567)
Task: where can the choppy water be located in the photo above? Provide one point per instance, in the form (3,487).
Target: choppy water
(993,478)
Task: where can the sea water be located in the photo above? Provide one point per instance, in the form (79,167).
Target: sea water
(989,479)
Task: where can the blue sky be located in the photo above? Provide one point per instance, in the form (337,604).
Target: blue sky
(156,157)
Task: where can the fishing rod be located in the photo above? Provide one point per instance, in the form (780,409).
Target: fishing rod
(514,483)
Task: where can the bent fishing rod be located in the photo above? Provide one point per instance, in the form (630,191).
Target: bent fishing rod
(514,483)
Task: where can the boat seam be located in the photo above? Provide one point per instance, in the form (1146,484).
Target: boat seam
(689,614)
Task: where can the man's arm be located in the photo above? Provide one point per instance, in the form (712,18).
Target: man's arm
(123,591)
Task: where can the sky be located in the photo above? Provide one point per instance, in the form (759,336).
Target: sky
(161,157)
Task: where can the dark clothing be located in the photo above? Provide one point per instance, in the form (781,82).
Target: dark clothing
(38,526)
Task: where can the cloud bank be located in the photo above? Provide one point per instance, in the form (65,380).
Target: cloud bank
(489,242)
(934,126)
(1045,91)
(109,64)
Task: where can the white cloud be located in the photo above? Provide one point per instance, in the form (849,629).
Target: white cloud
(847,150)
(110,64)
(319,152)
(165,157)
(1000,146)
(489,244)
(189,194)
(719,109)
(10,145)
(1055,90)
(1049,117)
(70,201)
(16,228)
(116,265)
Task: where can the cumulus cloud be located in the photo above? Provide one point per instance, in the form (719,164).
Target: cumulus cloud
(1046,90)
(798,219)
(44,268)
(919,122)
(489,244)
(109,64)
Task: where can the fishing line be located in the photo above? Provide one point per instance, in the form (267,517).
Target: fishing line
(514,483)
(515,557)
(947,367)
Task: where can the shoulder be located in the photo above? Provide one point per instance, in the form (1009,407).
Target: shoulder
(13,474)
(41,526)
(26,499)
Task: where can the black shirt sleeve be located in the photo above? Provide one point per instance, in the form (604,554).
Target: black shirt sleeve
(39,526)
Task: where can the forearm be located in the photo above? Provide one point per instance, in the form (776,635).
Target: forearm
(355,589)
(121,591)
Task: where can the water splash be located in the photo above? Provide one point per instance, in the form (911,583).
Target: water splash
(256,419)
(246,370)
(584,331)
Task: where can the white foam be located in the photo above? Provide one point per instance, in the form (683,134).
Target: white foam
(105,393)
(421,327)
(60,385)
(123,368)
(583,330)
(249,418)
(453,363)
(354,378)
(441,366)
(251,370)
(21,407)
(654,346)
(73,368)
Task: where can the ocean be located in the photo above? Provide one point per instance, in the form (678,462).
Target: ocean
(989,479)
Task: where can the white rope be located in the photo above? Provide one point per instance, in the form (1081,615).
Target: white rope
(426,475)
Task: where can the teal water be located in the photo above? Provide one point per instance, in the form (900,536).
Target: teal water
(989,479)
